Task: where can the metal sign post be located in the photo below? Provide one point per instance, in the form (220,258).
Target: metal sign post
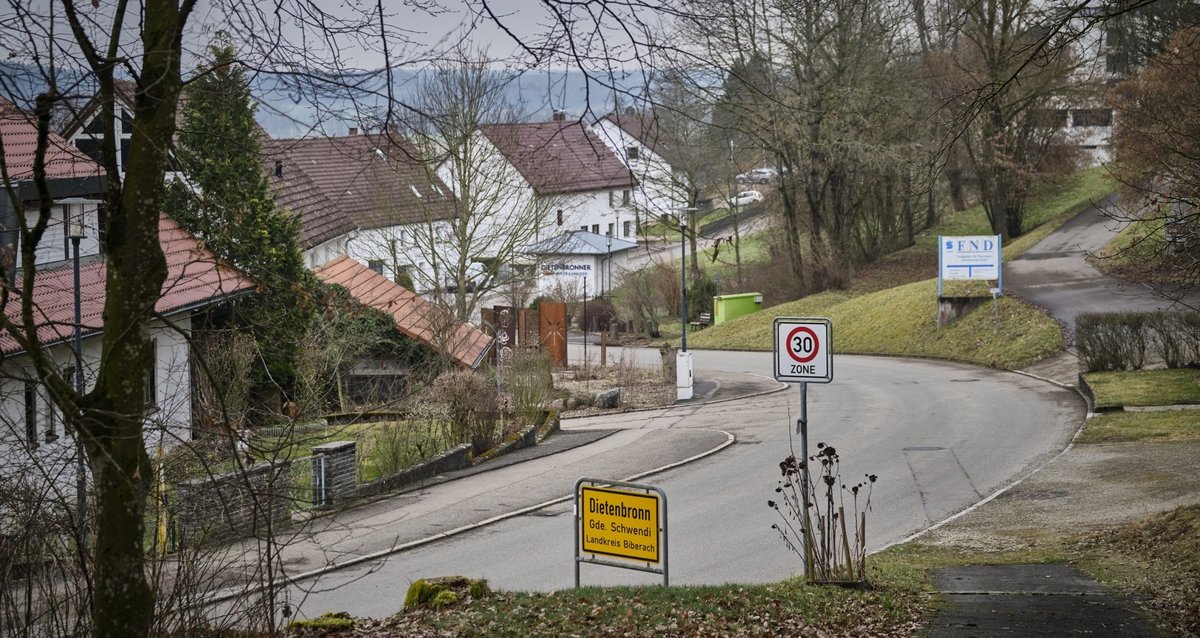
(804,354)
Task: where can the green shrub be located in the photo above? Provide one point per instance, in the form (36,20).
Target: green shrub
(472,406)
(479,588)
(1111,340)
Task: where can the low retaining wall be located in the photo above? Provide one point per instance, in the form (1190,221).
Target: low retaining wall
(233,504)
(456,459)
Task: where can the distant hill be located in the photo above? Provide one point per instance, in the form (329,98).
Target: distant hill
(287,109)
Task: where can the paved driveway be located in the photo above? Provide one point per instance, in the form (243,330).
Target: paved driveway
(1055,274)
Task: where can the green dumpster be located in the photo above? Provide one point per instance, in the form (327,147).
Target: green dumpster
(727,307)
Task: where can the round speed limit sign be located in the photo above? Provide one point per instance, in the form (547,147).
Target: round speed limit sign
(803,351)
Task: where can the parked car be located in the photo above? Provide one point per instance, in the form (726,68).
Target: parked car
(758,176)
(746,197)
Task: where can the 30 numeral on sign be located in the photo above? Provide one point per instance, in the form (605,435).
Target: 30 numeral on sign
(802,344)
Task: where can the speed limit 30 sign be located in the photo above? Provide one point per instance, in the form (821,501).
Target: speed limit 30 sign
(803,350)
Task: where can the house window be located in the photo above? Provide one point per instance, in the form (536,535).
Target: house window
(31,440)
(611,199)
(610,229)
(1093,117)
(625,197)
(596,228)
(151,381)
(627,226)
(633,153)
(376,265)
(560,217)
(583,228)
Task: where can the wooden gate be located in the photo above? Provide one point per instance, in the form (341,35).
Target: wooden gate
(552,331)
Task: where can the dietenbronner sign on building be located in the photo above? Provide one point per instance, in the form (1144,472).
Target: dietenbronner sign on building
(620,525)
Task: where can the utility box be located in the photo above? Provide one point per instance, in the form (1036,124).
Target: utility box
(728,307)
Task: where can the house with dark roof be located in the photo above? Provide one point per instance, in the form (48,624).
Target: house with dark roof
(368,196)
(637,141)
(30,426)
(567,167)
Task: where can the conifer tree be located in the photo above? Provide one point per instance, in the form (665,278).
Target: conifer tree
(223,198)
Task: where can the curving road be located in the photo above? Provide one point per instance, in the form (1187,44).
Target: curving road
(940,436)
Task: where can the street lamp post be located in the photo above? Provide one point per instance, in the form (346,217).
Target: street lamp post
(75,232)
(683,360)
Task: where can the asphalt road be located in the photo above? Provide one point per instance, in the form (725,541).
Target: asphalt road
(1055,274)
(940,436)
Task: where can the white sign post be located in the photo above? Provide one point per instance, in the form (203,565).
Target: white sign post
(803,355)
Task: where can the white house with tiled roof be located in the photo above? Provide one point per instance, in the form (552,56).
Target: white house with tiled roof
(583,185)
(32,431)
(366,196)
(636,140)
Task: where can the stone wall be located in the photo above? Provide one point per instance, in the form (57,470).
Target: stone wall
(233,504)
(335,469)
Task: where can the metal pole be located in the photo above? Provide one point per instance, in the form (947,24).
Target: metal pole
(683,282)
(802,429)
(80,465)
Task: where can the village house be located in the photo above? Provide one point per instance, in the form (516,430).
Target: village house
(31,430)
(635,138)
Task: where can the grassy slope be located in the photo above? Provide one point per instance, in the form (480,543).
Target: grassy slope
(891,307)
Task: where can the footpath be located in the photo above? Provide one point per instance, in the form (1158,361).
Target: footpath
(1087,487)
(616,446)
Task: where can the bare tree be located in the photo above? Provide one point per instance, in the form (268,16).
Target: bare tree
(477,248)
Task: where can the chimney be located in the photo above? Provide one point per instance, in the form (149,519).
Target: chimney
(560,116)
(278,168)
(354,130)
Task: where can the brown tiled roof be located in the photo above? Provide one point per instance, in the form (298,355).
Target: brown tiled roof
(194,278)
(559,157)
(18,134)
(414,316)
(643,127)
(320,219)
(374,180)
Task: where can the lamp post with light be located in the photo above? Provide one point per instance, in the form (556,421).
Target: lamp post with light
(75,232)
(683,360)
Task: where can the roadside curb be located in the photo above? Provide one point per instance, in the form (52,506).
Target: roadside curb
(230,594)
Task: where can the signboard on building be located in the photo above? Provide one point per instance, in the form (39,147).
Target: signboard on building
(566,269)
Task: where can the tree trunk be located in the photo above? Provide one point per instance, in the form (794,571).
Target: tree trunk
(113,414)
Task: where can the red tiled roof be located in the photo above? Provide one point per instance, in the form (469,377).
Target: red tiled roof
(194,277)
(18,134)
(559,157)
(414,316)
(371,180)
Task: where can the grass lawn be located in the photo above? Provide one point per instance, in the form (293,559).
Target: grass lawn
(1160,425)
(901,321)
(1145,387)
(1156,560)
(891,306)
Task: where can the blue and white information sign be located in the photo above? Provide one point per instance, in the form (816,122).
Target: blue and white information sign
(972,257)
